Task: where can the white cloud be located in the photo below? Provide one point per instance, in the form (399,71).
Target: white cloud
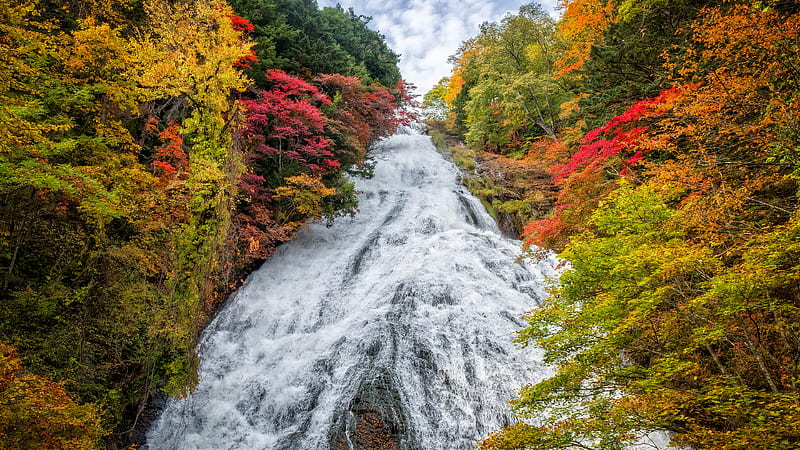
(426,32)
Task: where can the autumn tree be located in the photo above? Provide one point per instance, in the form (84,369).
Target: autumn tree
(38,413)
(625,64)
(582,26)
(298,142)
(615,150)
(93,197)
(517,86)
(125,175)
(503,89)
(677,312)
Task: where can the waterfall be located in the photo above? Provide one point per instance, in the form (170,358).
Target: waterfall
(397,323)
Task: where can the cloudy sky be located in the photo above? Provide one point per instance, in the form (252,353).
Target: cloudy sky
(426,32)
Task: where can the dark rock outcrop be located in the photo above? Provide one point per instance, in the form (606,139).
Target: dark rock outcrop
(373,420)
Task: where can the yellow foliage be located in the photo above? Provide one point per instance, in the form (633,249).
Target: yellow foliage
(23,39)
(191,52)
(109,11)
(97,54)
(304,193)
(38,413)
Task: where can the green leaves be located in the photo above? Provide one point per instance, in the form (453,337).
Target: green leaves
(679,307)
(505,80)
(637,211)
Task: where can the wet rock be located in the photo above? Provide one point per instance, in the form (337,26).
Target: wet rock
(373,420)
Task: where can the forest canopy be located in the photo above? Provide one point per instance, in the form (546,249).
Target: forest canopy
(151,153)
(670,129)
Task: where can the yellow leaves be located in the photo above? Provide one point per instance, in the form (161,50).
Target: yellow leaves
(109,11)
(21,36)
(680,260)
(93,48)
(24,44)
(515,436)
(37,413)
(114,133)
(304,193)
(191,50)
(97,54)
(455,82)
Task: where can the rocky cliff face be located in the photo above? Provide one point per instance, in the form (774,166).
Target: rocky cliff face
(515,191)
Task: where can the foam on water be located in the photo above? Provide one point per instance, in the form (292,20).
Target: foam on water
(419,293)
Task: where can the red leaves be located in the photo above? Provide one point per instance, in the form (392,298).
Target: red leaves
(364,113)
(617,137)
(258,230)
(170,157)
(285,121)
(241,24)
(291,86)
(288,136)
(546,232)
(612,149)
(284,132)
(247,60)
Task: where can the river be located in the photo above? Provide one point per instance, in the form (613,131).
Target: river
(392,329)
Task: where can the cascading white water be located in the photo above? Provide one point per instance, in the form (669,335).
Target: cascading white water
(407,310)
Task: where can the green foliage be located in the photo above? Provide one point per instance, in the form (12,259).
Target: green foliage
(120,172)
(651,332)
(439,139)
(503,90)
(464,158)
(628,65)
(679,306)
(434,105)
(344,201)
(299,38)
(512,206)
(373,60)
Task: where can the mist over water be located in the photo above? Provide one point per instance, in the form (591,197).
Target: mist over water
(408,310)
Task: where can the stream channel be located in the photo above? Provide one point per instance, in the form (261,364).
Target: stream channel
(392,329)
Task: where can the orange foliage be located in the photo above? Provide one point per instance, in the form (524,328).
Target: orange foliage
(582,25)
(682,294)
(454,85)
(732,135)
(37,413)
(170,159)
(606,153)
(456,81)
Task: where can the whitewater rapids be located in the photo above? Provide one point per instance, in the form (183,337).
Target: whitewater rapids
(407,310)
